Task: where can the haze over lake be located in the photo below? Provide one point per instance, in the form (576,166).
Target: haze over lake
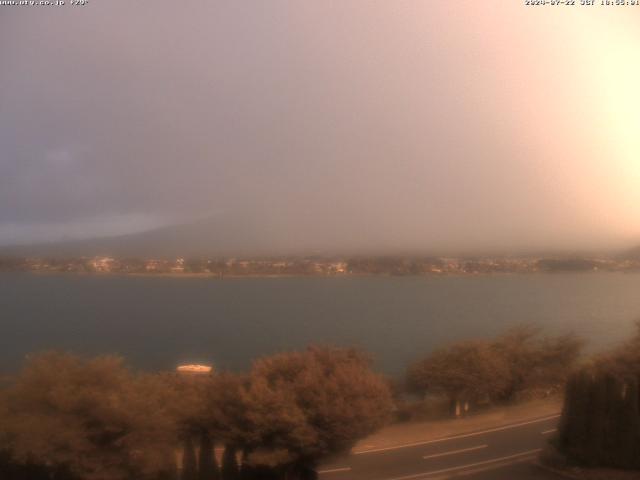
(160,322)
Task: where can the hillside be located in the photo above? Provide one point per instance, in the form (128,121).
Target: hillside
(209,237)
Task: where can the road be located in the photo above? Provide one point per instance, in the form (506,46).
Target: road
(501,453)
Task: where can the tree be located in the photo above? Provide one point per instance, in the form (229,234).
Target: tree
(92,418)
(187,399)
(96,420)
(518,348)
(230,469)
(600,424)
(467,373)
(596,427)
(572,431)
(556,357)
(225,412)
(535,361)
(189,461)
(624,362)
(207,466)
(628,427)
(302,406)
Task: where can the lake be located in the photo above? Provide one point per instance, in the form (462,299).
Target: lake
(158,322)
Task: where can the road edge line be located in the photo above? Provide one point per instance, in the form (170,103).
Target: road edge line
(454,452)
(458,436)
(334,470)
(521,456)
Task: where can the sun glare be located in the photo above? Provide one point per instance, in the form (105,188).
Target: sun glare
(612,87)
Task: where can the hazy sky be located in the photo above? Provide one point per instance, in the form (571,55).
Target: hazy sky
(390,124)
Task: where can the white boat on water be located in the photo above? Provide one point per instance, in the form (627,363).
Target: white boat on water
(194,368)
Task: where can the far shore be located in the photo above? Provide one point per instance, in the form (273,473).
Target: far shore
(216,276)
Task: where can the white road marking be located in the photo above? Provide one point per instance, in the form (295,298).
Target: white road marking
(547,432)
(514,457)
(456,437)
(334,470)
(483,468)
(453,452)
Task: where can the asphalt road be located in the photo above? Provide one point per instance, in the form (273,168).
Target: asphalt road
(503,453)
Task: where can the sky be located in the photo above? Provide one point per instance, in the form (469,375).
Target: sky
(338,124)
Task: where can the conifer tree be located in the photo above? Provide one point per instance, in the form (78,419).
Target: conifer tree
(596,419)
(573,426)
(628,425)
(613,387)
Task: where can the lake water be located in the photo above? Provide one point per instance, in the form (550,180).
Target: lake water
(158,322)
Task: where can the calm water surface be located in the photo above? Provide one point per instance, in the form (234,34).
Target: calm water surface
(158,322)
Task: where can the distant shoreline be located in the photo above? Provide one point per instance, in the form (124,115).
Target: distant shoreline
(317,266)
(214,276)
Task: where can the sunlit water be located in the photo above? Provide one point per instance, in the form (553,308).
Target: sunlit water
(160,322)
